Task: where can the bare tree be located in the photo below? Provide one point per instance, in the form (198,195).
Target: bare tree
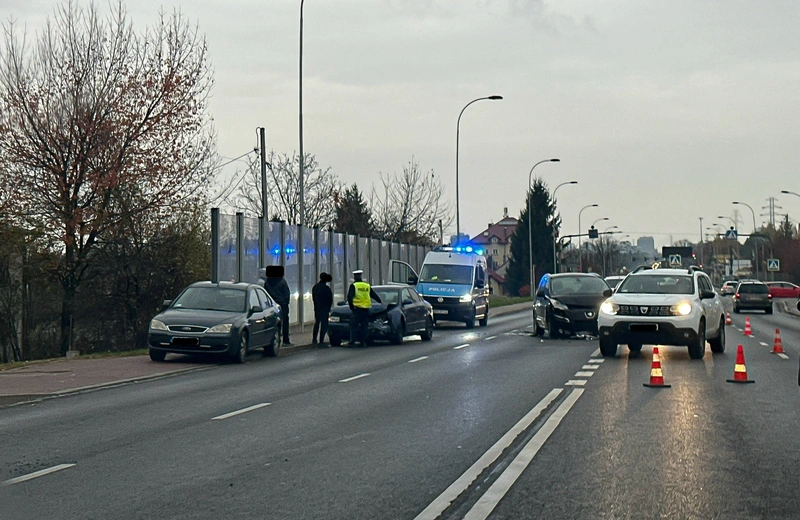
(409,206)
(283,198)
(99,124)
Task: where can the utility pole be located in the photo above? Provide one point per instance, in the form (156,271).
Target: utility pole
(702,244)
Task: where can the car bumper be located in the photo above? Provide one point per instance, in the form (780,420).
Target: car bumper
(578,320)
(191,344)
(648,332)
(752,306)
(460,312)
(375,330)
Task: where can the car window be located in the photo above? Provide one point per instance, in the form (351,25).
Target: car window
(254,301)
(388,296)
(212,299)
(753,288)
(414,295)
(705,285)
(657,284)
(407,295)
(567,285)
(264,298)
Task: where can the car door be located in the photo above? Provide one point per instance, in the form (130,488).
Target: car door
(541,302)
(410,310)
(401,273)
(256,321)
(270,315)
(421,306)
(712,306)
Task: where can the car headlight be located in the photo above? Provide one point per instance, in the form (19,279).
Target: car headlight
(158,325)
(558,305)
(223,328)
(333,319)
(682,309)
(609,308)
(466,298)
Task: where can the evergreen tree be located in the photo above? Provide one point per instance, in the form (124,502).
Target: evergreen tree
(353,214)
(545,220)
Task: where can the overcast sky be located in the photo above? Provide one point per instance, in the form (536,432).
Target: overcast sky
(663,111)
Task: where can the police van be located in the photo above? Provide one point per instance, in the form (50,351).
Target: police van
(453,281)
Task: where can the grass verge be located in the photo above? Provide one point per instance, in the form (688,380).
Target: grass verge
(501,301)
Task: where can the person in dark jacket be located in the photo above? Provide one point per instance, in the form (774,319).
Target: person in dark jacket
(278,289)
(322,296)
(359,298)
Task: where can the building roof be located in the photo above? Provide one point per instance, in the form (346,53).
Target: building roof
(501,230)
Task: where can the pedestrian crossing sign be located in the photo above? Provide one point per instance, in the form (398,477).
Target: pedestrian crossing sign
(675,260)
(731,234)
(773,264)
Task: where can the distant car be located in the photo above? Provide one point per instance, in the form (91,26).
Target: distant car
(567,304)
(613,281)
(783,290)
(752,296)
(225,319)
(728,288)
(402,313)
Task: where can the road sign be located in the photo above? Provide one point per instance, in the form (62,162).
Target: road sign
(675,260)
(773,264)
(731,234)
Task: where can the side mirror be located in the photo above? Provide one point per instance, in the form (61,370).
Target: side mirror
(166,303)
(706,294)
(412,280)
(255,308)
(540,293)
(480,284)
(607,293)
(407,302)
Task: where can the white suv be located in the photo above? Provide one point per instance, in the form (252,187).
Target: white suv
(663,307)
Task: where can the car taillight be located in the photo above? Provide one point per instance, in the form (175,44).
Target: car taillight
(769,296)
(736,296)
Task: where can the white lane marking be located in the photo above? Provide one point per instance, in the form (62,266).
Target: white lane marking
(764,344)
(418,359)
(737,328)
(359,376)
(597,360)
(483,507)
(444,500)
(584,374)
(576,382)
(490,337)
(589,367)
(465,345)
(595,353)
(36,474)
(782,355)
(238,412)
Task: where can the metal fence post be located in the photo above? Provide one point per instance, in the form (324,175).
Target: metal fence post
(239,246)
(214,245)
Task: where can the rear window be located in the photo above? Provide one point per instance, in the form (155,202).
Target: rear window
(753,288)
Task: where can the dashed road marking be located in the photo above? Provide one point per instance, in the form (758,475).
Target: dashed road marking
(238,412)
(359,376)
(418,359)
(601,360)
(465,345)
(595,353)
(36,474)
(576,382)
(584,374)
(490,337)
(764,344)
(783,356)
(589,367)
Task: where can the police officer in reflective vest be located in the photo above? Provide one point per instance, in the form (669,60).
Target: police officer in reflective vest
(359,298)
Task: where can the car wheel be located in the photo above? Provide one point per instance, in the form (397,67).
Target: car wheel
(274,347)
(485,320)
(397,336)
(551,332)
(471,322)
(157,355)
(697,349)
(335,340)
(427,334)
(635,349)
(718,343)
(768,311)
(240,356)
(735,309)
(607,347)
(538,330)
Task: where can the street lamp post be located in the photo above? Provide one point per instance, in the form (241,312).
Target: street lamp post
(302,166)
(787,192)
(702,243)
(530,221)
(555,261)
(580,229)
(605,247)
(458,136)
(755,250)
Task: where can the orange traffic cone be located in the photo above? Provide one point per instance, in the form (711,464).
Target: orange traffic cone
(740,370)
(656,378)
(747,330)
(728,320)
(777,346)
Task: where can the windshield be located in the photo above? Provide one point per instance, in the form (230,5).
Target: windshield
(657,284)
(753,288)
(446,273)
(567,285)
(211,299)
(388,296)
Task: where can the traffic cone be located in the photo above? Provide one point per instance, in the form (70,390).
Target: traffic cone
(656,378)
(728,318)
(740,370)
(747,330)
(777,346)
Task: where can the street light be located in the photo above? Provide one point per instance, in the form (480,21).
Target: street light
(530,222)
(555,262)
(599,220)
(755,254)
(302,167)
(458,132)
(787,192)
(580,229)
(605,247)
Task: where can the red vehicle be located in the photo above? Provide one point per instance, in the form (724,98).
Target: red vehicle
(783,290)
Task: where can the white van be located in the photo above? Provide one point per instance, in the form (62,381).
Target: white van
(453,281)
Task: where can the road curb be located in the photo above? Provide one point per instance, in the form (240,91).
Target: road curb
(791,308)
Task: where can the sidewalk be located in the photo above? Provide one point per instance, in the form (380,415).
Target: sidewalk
(64,376)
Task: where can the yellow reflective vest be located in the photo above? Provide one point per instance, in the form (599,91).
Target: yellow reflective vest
(361,298)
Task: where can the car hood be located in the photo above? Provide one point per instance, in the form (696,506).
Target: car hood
(344,310)
(650,299)
(581,300)
(197,317)
(443,289)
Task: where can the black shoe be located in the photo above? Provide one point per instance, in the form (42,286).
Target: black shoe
(287,343)
(313,341)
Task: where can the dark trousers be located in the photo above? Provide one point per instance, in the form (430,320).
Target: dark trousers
(285,322)
(358,326)
(320,325)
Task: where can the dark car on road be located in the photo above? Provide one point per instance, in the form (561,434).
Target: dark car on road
(402,313)
(225,319)
(567,303)
(752,296)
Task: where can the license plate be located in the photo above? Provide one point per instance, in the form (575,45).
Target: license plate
(185,341)
(643,327)
(440,311)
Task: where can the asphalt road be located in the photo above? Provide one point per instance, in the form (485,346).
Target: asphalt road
(474,424)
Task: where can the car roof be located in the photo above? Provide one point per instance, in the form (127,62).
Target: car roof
(567,275)
(224,285)
(663,272)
